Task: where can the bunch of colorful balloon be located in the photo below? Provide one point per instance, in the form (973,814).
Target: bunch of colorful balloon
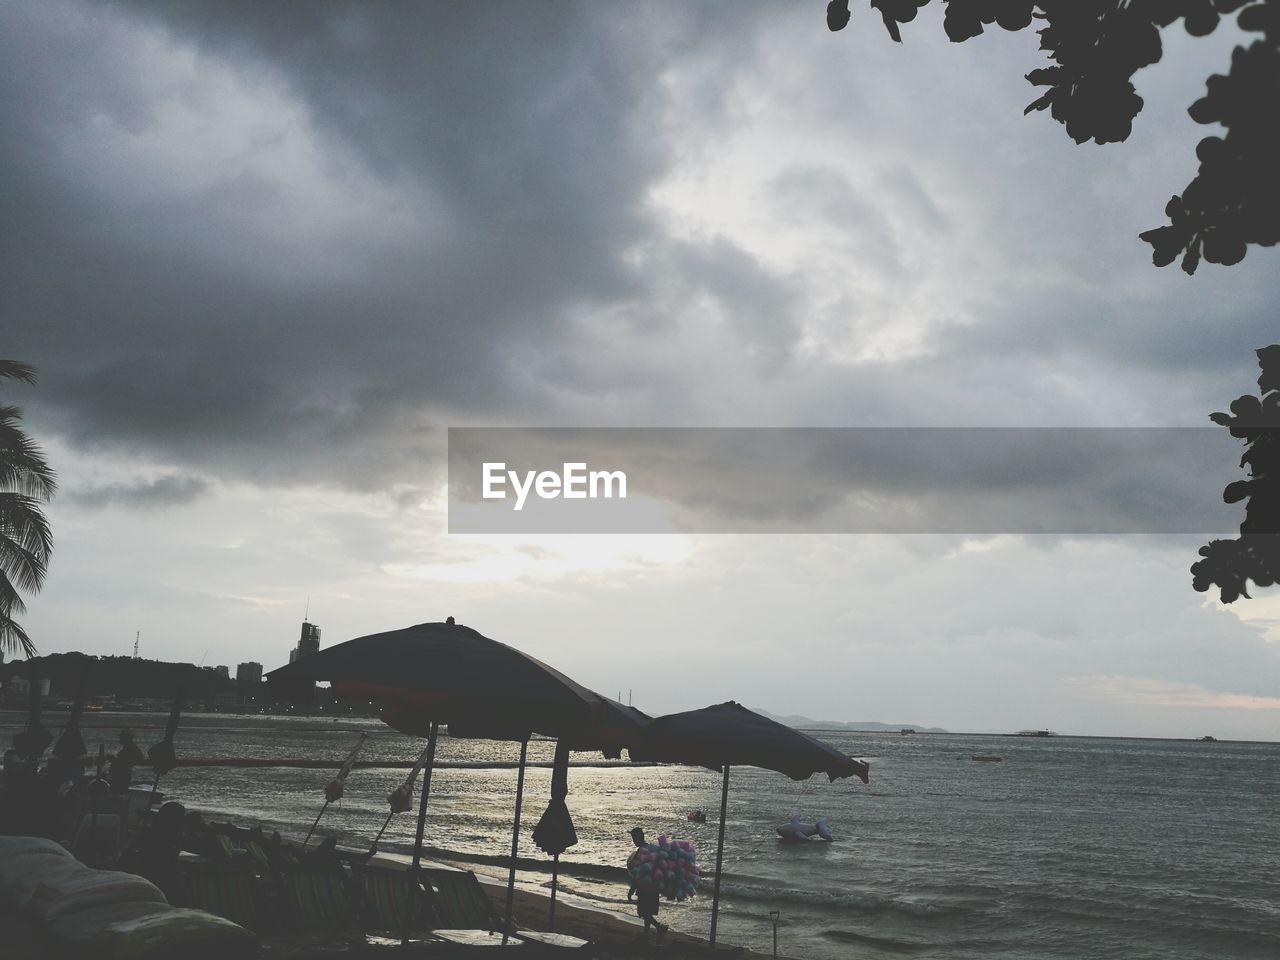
(669,865)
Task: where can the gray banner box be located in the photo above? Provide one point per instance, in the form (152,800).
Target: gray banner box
(970,480)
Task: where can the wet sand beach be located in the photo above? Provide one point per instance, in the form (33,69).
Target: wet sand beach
(529,909)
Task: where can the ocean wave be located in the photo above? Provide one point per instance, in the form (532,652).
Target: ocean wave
(886,944)
(862,901)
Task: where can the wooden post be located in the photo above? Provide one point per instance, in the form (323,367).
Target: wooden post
(551,912)
(314,823)
(411,887)
(715,890)
(373,847)
(426,790)
(515,840)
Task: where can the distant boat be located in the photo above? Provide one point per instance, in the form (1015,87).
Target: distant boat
(1035,733)
(906,730)
(1208,739)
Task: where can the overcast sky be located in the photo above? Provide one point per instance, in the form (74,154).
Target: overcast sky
(263,255)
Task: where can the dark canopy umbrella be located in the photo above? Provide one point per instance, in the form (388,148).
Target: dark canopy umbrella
(446,673)
(728,735)
(71,745)
(34,739)
(434,673)
(162,755)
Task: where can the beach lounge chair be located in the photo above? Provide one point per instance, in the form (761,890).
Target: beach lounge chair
(97,838)
(317,900)
(468,917)
(396,904)
(461,901)
(226,890)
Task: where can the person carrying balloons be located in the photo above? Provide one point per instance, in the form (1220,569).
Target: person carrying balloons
(644,887)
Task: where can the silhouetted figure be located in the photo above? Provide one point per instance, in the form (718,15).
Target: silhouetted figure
(646,894)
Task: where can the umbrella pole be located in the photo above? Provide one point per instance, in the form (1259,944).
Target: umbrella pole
(315,822)
(715,890)
(373,847)
(551,913)
(515,840)
(426,789)
(422,823)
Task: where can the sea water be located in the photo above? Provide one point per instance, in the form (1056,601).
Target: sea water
(1068,847)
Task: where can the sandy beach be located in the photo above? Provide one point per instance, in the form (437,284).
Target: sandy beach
(591,923)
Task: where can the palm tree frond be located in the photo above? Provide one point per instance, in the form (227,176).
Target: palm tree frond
(22,565)
(26,483)
(17,370)
(13,638)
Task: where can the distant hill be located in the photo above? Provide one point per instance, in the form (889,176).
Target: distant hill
(867,726)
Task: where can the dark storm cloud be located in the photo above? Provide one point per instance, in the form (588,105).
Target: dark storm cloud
(468,174)
(171,490)
(293,241)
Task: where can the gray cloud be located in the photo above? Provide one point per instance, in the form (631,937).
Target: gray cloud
(170,490)
(289,243)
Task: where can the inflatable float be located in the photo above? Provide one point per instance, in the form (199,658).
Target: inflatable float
(793,831)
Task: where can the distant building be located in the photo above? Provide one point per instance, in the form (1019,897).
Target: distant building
(308,642)
(222,671)
(23,685)
(249,673)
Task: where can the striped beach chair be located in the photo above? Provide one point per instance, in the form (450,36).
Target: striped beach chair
(317,900)
(226,890)
(396,904)
(461,901)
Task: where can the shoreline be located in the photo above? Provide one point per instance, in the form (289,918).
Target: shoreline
(529,909)
(574,915)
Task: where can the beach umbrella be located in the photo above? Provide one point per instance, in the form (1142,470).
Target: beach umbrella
(446,673)
(728,735)
(618,727)
(71,745)
(334,788)
(162,756)
(434,673)
(401,798)
(555,833)
(35,738)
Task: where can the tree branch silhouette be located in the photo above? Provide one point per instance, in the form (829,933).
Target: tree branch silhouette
(1096,47)
(1255,554)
